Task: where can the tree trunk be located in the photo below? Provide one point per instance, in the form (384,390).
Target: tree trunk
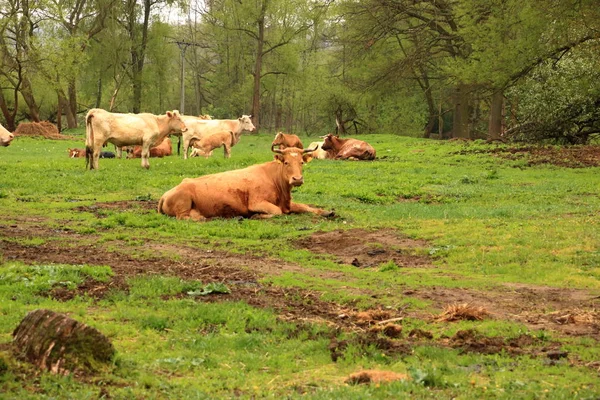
(59,344)
(340,128)
(8,115)
(27,93)
(71,118)
(73,101)
(460,128)
(99,93)
(258,67)
(59,115)
(495,124)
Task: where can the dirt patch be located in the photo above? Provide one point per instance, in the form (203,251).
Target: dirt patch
(98,209)
(538,307)
(365,249)
(568,311)
(563,156)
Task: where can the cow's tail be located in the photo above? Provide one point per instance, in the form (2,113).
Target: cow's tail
(89,141)
(160,204)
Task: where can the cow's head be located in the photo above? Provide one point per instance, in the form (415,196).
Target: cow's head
(73,153)
(5,137)
(176,124)
(328,142)
(293,160)
(246,123)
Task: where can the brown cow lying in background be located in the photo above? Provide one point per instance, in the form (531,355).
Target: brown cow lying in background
(5,137)
(259,191)
(348,149)
(76,153)
(285,140)
(164,148)
(207,144)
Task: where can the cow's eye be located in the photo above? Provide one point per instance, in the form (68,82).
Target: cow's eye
(286,163)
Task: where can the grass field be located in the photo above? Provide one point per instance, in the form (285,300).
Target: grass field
(425,231)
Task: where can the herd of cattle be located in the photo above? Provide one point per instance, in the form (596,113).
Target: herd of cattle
(258,191)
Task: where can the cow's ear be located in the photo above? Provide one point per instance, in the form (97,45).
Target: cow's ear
(278,157)
(169,114)
(307,157)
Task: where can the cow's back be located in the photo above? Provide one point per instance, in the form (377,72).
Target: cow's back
(227,194)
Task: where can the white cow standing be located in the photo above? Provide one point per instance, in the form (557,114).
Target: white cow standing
(199,128)
(144,129)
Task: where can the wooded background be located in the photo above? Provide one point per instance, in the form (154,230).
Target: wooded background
(495,69)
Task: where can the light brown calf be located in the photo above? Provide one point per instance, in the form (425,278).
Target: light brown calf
(206,145)
(285,140)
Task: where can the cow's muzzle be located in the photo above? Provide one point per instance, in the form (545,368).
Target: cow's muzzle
(297,180)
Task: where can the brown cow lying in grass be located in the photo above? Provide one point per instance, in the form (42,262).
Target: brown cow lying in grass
(164,148)
(76,153)
(5,137)
(259,191)
(206,145)
(285,140)
(348,149)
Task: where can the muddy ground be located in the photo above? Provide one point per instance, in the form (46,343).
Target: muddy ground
(561,311)
(563,156)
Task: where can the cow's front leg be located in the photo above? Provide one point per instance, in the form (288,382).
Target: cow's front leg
(119,151)
(264,209)
(186,146)
(145,154)
(299,208)
(227,151)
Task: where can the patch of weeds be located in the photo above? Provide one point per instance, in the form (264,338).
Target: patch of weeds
(143,197)
(492,174)
(440,251)
(388,266)
(467,180)
(159,324)
(211,288)
(33,242)
(429,377)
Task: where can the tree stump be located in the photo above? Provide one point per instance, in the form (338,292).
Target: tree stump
(59,344)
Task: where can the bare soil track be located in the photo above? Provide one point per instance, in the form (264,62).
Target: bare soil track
(564,156)
(563,311)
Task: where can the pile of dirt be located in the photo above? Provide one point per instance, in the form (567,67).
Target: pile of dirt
(562,156)
(44,129)
(366,249)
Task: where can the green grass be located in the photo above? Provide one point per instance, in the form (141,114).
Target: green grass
(487,220)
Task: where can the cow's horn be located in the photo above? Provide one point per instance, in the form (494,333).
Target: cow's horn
(274,150)
(309,150)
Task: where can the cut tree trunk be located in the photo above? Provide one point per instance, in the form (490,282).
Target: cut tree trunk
(59,344)
(495,123)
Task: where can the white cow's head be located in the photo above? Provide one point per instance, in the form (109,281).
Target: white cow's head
(176,124)
(246,123)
